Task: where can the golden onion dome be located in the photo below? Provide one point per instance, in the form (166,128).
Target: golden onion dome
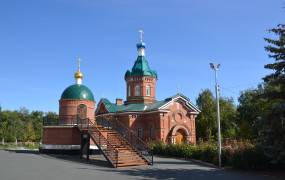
(78,75)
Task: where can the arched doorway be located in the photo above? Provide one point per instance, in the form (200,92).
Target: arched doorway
(179,134)
(180,137)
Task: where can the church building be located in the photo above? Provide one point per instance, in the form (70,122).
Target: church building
(76,102)
(171,120)
(120,130)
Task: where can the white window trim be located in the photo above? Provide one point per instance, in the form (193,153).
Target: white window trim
(148,90)
(137,90)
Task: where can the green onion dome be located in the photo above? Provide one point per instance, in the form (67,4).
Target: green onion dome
(77,92)
(141,68)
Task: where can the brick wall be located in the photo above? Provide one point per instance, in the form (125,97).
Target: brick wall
(69,108)
(61,135)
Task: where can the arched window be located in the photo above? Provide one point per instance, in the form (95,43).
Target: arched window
(129,90)
(82,111)
(137,90)
(148,90)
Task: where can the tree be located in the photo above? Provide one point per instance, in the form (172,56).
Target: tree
(272,136)
(276,80)
(30,132)
(51,118)
(228,117)
(250,110)
(206,122)
(37,117)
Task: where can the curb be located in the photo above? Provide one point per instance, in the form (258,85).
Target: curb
(192,160)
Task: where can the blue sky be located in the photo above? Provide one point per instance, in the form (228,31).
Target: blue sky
(40,40)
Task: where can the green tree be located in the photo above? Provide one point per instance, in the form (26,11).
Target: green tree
(206,122)
(251,108)
(30,132)
(276,80)
(37,117)
(51,118)
(272,136)
(228,117)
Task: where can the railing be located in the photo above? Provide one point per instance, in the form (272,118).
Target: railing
(66,120)
(108,150)
(137,143)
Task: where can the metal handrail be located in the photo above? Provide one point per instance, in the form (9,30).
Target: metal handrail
(92,130)
(95,134)
(62,120)
(135,142)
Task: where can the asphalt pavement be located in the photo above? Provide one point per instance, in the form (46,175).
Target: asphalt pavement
(25,165)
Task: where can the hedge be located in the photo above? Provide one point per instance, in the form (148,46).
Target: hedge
(245,156)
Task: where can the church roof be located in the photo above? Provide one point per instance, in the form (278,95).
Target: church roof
(141,107)
(78,92)
(141,68)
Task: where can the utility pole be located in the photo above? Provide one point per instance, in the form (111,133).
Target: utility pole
(216,67)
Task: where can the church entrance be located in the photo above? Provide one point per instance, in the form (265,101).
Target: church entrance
(180,137)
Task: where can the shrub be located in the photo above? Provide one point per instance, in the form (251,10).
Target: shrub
(243,155)
(250,158)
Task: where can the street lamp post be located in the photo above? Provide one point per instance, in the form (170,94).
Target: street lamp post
(215,67)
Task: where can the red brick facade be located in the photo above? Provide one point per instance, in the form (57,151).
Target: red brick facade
(66,135)
(160,125)
(69,108)
(142,83)
(60,135)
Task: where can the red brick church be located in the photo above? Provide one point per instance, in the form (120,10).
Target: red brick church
(123,127)
(171,120)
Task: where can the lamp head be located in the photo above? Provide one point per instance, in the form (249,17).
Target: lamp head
(215,66)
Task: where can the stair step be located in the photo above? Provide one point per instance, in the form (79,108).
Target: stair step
(131,164)
(127,155)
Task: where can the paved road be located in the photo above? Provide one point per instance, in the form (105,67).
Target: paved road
(34,166)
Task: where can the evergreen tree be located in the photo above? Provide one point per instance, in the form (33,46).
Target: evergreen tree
(276,80)
(272,136)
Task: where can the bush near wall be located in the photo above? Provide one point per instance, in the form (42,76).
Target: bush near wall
(242,156)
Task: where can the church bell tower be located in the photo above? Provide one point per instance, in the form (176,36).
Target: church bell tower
(141,80)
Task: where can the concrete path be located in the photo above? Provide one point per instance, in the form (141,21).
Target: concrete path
(33,166)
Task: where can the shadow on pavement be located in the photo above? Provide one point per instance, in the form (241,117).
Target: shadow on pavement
(25,151)
(96,159)
(181,174)
(162,169)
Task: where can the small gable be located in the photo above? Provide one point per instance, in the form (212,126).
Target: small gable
(182,100)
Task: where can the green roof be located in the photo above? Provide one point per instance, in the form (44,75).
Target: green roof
(77,91)
(112,107)
(141,68)
(139,107)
